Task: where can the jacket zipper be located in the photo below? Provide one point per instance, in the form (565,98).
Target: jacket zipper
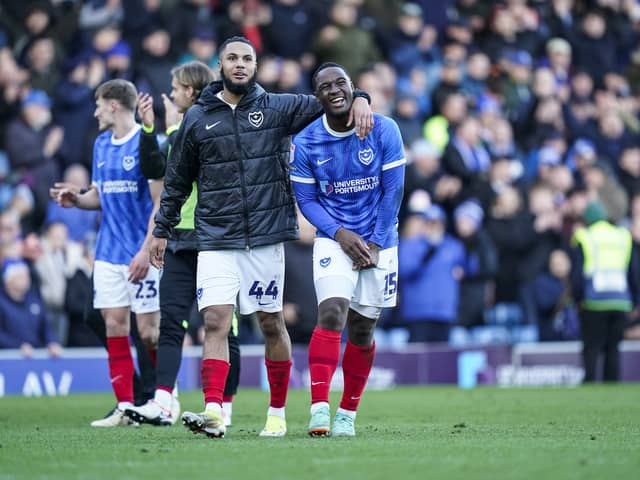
(242,184)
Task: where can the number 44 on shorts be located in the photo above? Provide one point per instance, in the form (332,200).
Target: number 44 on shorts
(257,291)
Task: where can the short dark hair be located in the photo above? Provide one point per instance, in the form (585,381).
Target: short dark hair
(121,90)
(323,66)
(234,39)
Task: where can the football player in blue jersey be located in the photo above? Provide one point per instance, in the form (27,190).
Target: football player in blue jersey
(123,279)
(350,189)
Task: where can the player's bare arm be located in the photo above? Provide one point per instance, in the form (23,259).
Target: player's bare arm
(362,115)
(68,195)
(140,263)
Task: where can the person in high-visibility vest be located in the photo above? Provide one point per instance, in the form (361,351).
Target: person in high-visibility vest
(604,282)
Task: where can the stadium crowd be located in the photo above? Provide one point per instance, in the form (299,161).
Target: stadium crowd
(515,116)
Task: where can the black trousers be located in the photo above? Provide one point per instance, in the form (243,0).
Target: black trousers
(177,295)
(601,333)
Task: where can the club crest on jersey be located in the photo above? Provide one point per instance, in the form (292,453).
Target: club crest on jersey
(324,262)
(326,187)
(128,162)
(256,118)
(365,156)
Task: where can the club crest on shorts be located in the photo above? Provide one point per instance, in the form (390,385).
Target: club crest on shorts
(199,293)
(324,262)
(365,156)
(128,162)
(256,118)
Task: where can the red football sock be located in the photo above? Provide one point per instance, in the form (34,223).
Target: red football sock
(227,398)
(153,355)
(356,365)
(120,368)
(278,375)
(214,376)
(324,353)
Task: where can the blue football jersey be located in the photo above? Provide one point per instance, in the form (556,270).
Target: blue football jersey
(124,196)
(347,172)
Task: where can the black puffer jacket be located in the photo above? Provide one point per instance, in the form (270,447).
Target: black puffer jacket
(239,159)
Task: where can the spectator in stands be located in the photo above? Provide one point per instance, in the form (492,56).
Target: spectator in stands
(60,260)
(466,157)
(556,315)
(407,116)
(73,106)
(604,282)
(430,268)
(480,267)
(580,156)
(23,319)
(33,143)
(511,230)
(595,45)
(153,69)
(559,62)
(292,26)
(343,41)
(202,46)
(478,68)
(404,49)
(630,170)
(601,184)
(516,86)
(109,45)
(439,128)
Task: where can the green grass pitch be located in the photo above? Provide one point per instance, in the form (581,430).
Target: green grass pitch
(422,433)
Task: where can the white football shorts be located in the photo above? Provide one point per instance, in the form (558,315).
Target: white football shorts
(333,276)
(112,289)
(254,277)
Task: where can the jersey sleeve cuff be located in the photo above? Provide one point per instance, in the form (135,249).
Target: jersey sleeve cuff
(172,129)
(150,129)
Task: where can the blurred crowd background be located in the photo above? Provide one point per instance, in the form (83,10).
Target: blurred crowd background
(515,115)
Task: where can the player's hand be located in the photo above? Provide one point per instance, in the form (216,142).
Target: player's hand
(362,115)
(26,350)
(171,114)
(374,253)
(139,266)
(54,349)
(66,197)
(145,109)
(353,245)
(58,186)
(156,252)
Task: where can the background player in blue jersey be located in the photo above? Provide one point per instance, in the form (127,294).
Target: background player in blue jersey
(123,279)
(350,188)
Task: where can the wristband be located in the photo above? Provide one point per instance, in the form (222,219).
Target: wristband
(361,93)
(146,129)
